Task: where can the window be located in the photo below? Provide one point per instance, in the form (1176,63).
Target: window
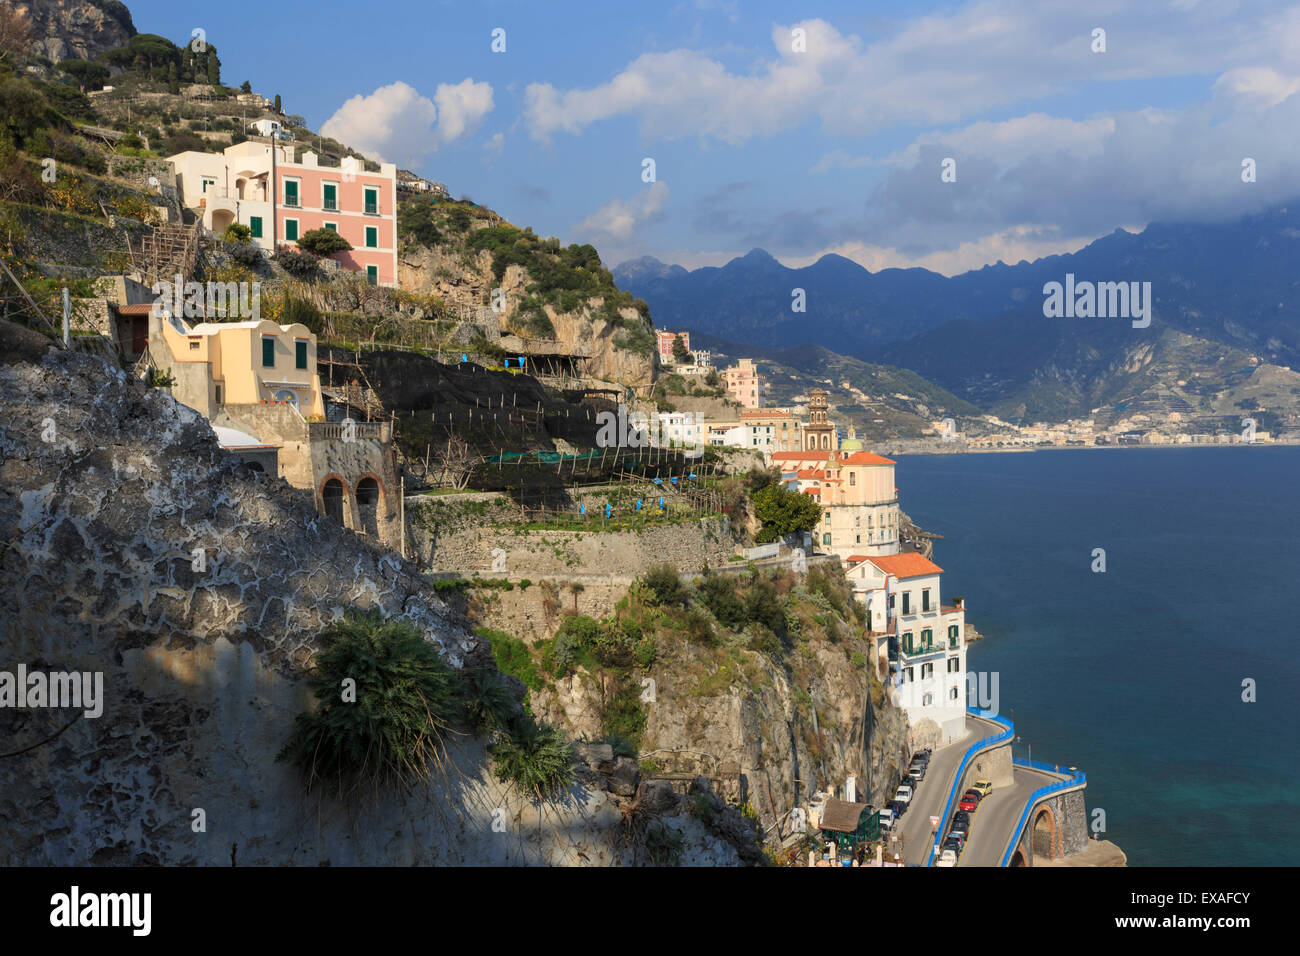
(372,237)
(372,275)
(372,201)
(218,389)
(826,539)
(853,478)
(291,229)
(907,642)
(952,693)
(925,599)
(331,225)
(194,345)
(953,635)
(300,354)
(927,670)
(291,192)
(954,665)
(268,351)
(907,675)
(907,602)
(927,700)
(927,638)
(857,539)
(255,224)
(329,196)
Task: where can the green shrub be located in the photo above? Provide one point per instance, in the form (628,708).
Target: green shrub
(718,594)
(486,701)
(237,232)
(664,845)
(534,756)
(645,653)
(512,656)
(323,242)
(665,585)
(390,734)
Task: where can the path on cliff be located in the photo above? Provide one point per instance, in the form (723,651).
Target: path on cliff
(990,825)
(932,794)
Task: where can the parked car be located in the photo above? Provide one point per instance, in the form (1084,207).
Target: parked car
(982,787)
(916,774)
(887,819)
(946,858)
(904,794)
(969,801)
(955,844)
(959,830)
(897,807)
(921,759)
(961,816)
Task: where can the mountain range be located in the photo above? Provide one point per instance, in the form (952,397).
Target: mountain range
(1225,306)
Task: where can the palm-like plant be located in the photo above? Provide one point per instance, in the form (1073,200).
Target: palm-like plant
(385,729)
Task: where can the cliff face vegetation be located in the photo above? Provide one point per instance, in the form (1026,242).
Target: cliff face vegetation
(461,253)
(759,681)
(132,547)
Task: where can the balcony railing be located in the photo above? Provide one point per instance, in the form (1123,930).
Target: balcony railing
(292,202)
(372,209)
(331,205)
(924,650)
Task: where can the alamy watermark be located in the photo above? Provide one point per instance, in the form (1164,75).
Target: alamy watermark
(196,300)
(638,430)
(1098,300)
(23,689)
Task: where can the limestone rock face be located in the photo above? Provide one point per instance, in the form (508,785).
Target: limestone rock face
(464,282)
(77,29)
(133,547)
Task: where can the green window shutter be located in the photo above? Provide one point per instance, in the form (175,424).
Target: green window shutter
(372,274)
(268,352)
(927,638)
(331,196)
(291,229)
(290,192)
(907,641)
(300,354)
(372,237)
(372,200)
(255,224)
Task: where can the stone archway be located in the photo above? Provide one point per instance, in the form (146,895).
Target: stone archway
(1044,835)
(332,495)
(368,506)
(1017,858)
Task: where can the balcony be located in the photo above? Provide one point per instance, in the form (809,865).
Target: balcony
(924,650)
(330,205)
(372,209)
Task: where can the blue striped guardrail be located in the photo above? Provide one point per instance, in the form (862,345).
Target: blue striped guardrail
(1000,737)
(1072,778)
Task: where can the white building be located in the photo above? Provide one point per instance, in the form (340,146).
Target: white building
(679,430)
(920,643)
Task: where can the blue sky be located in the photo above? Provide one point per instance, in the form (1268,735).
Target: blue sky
(836,147)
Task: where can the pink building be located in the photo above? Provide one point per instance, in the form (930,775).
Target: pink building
(361,206)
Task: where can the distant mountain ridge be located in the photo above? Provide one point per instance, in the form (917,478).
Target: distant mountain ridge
(982,334)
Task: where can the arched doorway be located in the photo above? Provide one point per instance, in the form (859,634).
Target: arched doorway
(332,492)
(1017,858)
(368,506)
(1043,834)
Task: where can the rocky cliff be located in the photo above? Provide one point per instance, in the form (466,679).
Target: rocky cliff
(132,547)
(76,29)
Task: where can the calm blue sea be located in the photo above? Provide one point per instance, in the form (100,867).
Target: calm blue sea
(1135,675)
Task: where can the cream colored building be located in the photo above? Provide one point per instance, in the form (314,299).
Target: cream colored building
(859,501)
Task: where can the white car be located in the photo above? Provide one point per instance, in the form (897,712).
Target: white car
(887,819)
(904,794)
(946,858)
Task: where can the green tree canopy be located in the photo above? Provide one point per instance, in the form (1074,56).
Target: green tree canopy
(323,241)
(783,512)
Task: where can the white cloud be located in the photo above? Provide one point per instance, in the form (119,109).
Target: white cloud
(1254,88)
(619,220)
(396,123)
(935,68)
(495,143)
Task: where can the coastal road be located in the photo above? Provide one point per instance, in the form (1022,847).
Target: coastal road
(933,791)
(990,825)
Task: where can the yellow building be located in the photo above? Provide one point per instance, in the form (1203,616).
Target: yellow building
(215,364)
